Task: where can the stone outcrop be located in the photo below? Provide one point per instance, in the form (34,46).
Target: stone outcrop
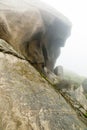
(84,85)
(34,30)
(79,95)
(28,99)
(29,102)
(59,71)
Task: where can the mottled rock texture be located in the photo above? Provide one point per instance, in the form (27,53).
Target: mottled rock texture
(29,102)
(84,85)
(34,30)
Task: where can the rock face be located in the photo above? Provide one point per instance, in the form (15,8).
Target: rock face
(29,102)
(34,31)
(84,85)
(59,71)
(78,94)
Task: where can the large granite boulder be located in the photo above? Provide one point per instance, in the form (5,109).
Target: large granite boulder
(35,30)
(29,102)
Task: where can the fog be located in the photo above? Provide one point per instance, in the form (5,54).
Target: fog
(74,54)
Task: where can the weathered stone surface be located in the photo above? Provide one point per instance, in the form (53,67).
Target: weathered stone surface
(28,102)
(78,94)
(34,30)
(59,71)
(84,85)
(75,97)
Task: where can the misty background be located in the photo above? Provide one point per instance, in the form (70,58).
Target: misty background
(74,54)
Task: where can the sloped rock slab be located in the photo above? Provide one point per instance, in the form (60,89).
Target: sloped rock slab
(28,102)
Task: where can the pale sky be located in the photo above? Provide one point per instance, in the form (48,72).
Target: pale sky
(73,55)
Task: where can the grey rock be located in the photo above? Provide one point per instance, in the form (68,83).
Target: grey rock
(35,30)
(29,102)
(84,85)
(79,95)
(58,70)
